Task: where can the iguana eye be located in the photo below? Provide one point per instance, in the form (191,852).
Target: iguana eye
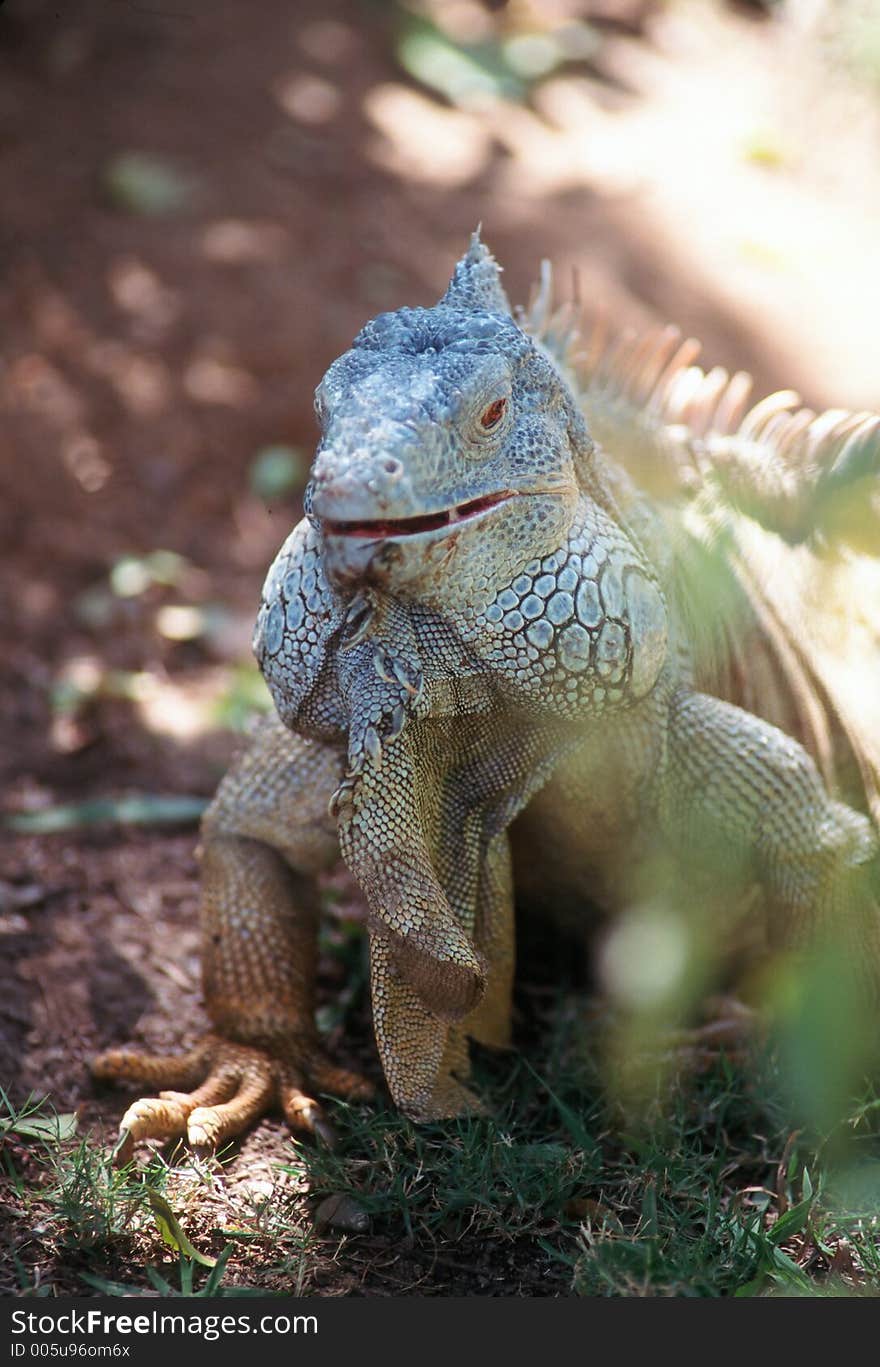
(491,416)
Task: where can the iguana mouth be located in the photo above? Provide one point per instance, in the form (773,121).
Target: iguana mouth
(382,529)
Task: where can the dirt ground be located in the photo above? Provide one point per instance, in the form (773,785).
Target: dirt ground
(154,341)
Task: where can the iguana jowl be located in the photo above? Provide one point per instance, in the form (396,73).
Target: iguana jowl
(483,615)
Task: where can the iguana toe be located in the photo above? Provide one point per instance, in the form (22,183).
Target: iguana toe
(164,1070)
(301,1111)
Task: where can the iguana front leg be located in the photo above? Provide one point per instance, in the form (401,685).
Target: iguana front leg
(428,926)
(740,797)
(264,838)
(424,1052)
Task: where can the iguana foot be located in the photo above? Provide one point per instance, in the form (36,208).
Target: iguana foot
(242,1083)
(730,1026)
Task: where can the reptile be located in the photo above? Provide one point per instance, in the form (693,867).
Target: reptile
(560,615)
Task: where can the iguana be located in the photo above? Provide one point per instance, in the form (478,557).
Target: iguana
(532,583)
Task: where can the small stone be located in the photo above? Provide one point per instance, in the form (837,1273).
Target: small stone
(342,1212)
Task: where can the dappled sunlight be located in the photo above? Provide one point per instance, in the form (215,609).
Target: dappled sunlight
(329,41)
(233,241)
(215,380)
(36,385)
(719,144)
(56,323)
(182,711)
(82,455)
(142,383)
(40,599)
(137,290)
(409,122)
(308,99)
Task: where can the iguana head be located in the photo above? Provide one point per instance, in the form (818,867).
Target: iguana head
(448,446)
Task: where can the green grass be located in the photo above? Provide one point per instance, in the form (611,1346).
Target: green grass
(703,1187)
(687,1198)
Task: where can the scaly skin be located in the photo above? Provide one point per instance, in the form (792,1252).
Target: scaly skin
(481,618)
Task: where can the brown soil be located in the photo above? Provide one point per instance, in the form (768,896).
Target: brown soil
(146,359)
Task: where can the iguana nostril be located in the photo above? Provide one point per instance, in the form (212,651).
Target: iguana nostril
(393,467)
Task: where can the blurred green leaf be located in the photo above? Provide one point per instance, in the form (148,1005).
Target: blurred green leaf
(792,1222)
(856,1188)
(124,811)
(245,695)
(764,147)
(791,1274)
(650,1224)
(172,1233)
(532,55)
(143,184)
(753,1287)
(460,74)
(859,28)
(825,1034)
(51,1127)
(67,697)
(277,471)
(190,621)
(68,694)
(133,574)
(94,607)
